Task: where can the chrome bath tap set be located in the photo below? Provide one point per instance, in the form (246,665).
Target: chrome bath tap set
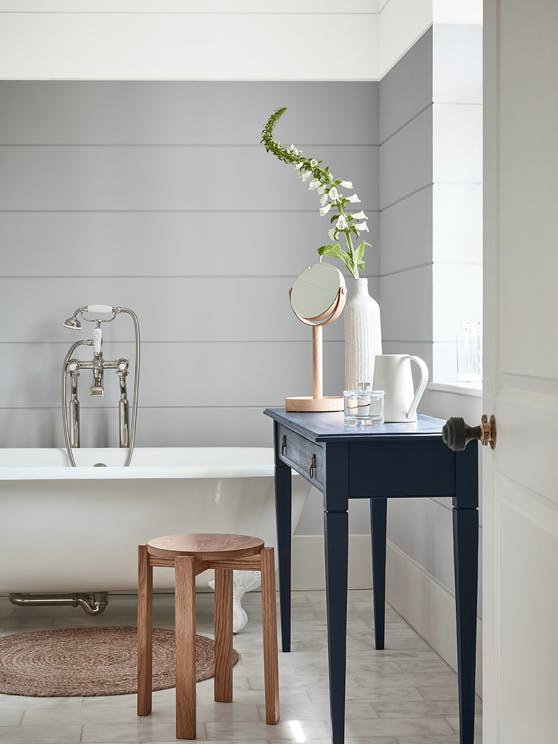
(72,368)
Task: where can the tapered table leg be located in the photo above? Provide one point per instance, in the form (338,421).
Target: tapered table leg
(466,560)
(283,512)
(336,529)
(378,522)
(465,538)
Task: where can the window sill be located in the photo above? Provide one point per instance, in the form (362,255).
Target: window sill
(469,389)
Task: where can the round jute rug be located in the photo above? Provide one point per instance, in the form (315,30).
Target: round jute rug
(85,662)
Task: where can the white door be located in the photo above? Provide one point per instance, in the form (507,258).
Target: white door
(520,535)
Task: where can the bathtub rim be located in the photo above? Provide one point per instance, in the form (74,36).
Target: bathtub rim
(152,472)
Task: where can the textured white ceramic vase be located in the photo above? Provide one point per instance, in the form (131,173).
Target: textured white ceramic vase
(363,335)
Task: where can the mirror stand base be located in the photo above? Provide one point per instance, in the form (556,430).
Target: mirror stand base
(308,403)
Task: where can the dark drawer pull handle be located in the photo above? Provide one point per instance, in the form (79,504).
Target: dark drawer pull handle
(284,444)
(312,468)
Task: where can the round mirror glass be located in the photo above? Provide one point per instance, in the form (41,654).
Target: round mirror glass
(316,291)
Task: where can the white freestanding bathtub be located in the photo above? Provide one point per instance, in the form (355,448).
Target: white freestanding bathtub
(66,529)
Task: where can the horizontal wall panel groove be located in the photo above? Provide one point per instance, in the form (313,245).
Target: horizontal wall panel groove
(413,267)
(107,406)
(145,342)
(178,145)
(169,309)
(407,341)
(294,13)
(406,232)
(199,113)
(407,268)
(171,211)
(405,160)
(405,124)
(407,88)
(169,178)
(291,277)
(139,244)
(178,427)
(400,199)
(176,375)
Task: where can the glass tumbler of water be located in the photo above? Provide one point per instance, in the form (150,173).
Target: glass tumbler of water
(364,406)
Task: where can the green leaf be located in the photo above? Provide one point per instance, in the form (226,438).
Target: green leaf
(359,251)
(333,250)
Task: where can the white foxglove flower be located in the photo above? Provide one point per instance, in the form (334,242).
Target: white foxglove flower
(331,233)
(325,210)
(313,163)
(305,174)
(360,226)
(314,184)
(298,166)
(347,184)
(322,189)
(341,223)
(323,199)
(360,215)
(333,194)
(353,198)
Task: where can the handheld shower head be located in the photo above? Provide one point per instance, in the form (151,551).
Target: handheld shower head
(72,322)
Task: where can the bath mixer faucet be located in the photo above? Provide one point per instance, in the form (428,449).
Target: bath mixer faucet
(72,367)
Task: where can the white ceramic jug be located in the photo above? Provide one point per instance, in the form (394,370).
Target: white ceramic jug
(392,374)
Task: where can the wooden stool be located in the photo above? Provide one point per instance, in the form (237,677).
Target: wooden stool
(189,555)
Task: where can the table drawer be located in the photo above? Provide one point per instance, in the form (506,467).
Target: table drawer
(305,456)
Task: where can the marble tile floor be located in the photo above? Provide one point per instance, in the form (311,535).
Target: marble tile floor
(405,694)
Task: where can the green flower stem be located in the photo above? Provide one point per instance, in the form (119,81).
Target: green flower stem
(354,270)
(292,156)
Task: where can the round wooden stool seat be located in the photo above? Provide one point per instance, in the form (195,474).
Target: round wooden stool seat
(205,547)
(190,555)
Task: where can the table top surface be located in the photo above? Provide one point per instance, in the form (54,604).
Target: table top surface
(324,427)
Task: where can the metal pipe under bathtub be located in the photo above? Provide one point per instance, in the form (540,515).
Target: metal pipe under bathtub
(92,604)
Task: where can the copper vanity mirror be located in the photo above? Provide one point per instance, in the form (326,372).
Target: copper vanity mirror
(317,298)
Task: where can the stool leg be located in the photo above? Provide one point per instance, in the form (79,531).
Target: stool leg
(269,622)
(223,681)
(145,630)
(185,632)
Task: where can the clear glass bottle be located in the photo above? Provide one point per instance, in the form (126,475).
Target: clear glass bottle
(469,352)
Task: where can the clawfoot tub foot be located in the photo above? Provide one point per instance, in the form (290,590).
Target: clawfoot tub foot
(243,581)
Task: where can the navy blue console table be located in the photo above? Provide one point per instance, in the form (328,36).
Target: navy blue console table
(376,463)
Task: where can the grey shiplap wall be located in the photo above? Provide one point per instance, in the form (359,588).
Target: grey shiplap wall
(158,196)
(430,161)
(430,230)
(406,224)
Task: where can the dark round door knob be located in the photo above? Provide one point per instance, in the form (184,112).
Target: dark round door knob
(456,434)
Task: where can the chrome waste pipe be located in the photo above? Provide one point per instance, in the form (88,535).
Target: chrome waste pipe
(92,604)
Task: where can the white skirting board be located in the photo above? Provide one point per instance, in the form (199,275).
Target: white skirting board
(427,606)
